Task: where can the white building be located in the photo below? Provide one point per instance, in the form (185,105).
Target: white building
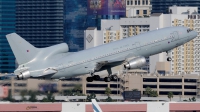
(136,8)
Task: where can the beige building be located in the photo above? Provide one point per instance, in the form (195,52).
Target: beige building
(186,57)
(184,85)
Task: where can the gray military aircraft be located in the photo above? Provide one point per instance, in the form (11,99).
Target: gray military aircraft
(55,62)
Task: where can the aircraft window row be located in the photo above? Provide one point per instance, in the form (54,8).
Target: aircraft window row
(97,57)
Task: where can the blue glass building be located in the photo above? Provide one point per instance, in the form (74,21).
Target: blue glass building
(40,22)
(77,20)
(162,6)
(7,25)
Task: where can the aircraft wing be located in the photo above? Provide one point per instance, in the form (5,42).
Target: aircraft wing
(100,64)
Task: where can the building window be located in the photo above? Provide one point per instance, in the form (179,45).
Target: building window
(135,2)
(127,2)
(147,2)
(137,11)
(138,2)
(144,11)
(131,2)
(143,3)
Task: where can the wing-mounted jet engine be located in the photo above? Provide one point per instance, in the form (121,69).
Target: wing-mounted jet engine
(135,63)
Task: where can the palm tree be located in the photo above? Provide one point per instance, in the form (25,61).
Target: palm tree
(170,95)
(108,91)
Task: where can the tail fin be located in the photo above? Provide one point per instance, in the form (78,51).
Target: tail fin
(22,50)
(95,106)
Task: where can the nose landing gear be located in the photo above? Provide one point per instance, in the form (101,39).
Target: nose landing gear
(169,58)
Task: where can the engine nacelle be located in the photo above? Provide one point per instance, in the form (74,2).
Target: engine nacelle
(135,63)
(24,75)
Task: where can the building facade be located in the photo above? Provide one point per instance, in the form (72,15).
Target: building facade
(7,25)
(40,22)
(185,58)
(76,21)
(162,6)
(136,8)
(182,85)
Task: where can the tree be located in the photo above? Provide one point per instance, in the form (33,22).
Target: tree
(153,94)
(45,99)
(68,92)
(77,88)
(193,99)
(90,97)
(134,89)
(108,91)
(148,91)
(170,95)
(109,99)
(32,96)
(9,98)
(50,97)
(23,93)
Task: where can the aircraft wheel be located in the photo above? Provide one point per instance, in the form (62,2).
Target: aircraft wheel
(114,77)
(96,77)
(107,79)
(89,79)
(169,59)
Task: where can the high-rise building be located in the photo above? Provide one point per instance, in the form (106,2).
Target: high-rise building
(7,25)
(136,8)
(40,22)
(162,6)
(79,15)
(76,21)
(185,58)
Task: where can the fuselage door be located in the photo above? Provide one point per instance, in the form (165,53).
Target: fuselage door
(137,45)
(175,36)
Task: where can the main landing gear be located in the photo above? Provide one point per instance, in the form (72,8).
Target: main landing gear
(169,58)
(109,78)
(97,78)
(94,77)
(106,79)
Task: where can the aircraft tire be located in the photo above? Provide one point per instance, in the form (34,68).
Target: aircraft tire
(169,59)
(89,79)
(96,77)
(107,79)
(114,77)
